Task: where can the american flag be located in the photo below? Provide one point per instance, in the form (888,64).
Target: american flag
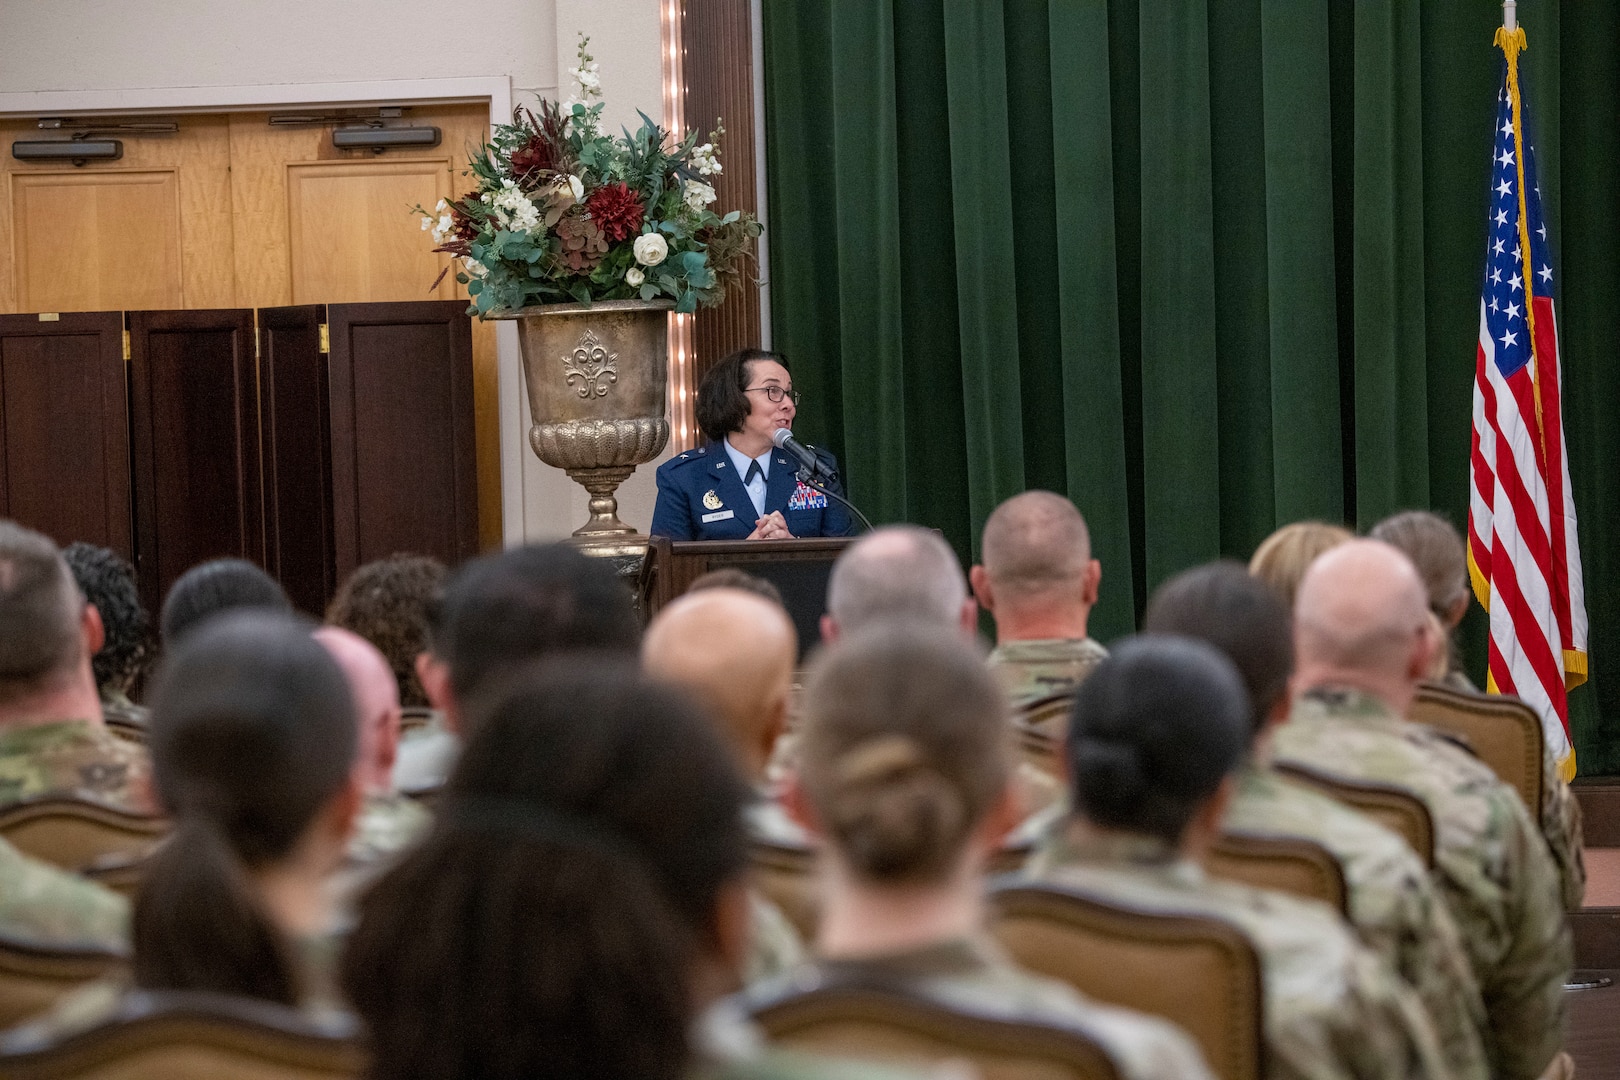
(1522,550)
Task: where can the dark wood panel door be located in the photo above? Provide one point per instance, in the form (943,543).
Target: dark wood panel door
(404,477)
(195,433)
(64,427)
(295,419)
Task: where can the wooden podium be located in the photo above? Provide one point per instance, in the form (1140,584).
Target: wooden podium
(798,568)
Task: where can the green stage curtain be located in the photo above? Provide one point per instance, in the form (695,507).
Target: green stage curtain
(1205,266)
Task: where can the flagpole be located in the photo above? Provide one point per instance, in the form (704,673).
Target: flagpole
(1510,15)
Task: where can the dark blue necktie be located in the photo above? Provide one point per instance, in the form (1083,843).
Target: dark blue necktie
(753,471)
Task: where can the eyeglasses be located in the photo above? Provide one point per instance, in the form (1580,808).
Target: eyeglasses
(774,393)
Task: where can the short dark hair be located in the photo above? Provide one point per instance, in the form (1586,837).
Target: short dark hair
(40,609)
(1223,604)
(216,586)
(108,582)
(253,732)
(503,611)
(549,924)
(729,577)
(721,404)
(1155,728)
(390,603)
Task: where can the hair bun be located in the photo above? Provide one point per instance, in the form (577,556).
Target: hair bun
(879,760)
(1108,770)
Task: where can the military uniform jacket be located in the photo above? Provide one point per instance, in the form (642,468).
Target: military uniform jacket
(74,758)
(42,905)
(1492,865)
(1030,670)
(1394,908)
(1333,1010)
(701,497)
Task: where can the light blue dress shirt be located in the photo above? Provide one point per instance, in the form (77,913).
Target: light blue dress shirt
(756,486)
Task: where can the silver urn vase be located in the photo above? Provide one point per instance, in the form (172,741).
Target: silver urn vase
(598,382)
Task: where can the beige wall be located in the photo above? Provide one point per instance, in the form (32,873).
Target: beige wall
(109,47)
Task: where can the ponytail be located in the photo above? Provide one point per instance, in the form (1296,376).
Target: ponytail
(199,925)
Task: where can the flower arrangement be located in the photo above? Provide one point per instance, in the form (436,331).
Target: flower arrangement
(564,212)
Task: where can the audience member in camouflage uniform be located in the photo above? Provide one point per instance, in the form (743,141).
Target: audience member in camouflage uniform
(1039,581)
(1437,553)
(734,651)
(1363,640)
(906,772)
(388,821)
(52,739)
(1392,904)
(42,905)
(108,582)
(1155,731)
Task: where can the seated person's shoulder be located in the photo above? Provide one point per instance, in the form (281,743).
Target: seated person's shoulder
(45,906)
(76,759)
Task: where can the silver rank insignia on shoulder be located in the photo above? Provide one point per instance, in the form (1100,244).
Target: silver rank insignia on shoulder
(711,501)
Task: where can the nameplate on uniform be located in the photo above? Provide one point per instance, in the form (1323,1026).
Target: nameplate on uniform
(721,516)
(807,498)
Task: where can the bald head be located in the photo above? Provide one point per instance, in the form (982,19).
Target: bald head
(897,573)
(734,651)
(1038,577)
(1361,617)
(376,702)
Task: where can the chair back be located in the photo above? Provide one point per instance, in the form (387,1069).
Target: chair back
(32,978)
(1504,731)
(74,833)
(126,727)
(173,1035)
(895,1022)
(1196,971)
(1393,808)
(1040,726)
(415,719)
(1285,863)
(121,872)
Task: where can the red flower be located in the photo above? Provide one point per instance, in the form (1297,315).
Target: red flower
(615,208)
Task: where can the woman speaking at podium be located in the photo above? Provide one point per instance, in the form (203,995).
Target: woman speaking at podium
(739,485)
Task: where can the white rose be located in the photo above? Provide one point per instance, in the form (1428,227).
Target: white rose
(698,194)
(650,249)
(577,186)
(474,267)
(633,277)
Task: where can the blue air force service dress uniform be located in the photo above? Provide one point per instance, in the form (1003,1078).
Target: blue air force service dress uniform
(701,497)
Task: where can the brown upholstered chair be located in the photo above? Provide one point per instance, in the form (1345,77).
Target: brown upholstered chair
(1196,971)
(786,875)
(895,1022)
(126,726)
(73,833)
(189,1036)
(1391,807)
(1503,731)
(1040,726)
(1286,863)
(121,871)
(32,978)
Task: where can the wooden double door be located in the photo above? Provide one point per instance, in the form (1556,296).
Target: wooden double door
(308,439)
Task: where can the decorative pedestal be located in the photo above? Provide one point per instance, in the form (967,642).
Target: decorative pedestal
(598,383)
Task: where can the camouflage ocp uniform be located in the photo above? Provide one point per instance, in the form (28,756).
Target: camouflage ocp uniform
(1392,904)
(974,975)
(1560,816)
(45,906)
(77,758)
(1030,670)
(1492,865)
(1333,1009)
(388,823)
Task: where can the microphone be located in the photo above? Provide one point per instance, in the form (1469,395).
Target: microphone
(784,440)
